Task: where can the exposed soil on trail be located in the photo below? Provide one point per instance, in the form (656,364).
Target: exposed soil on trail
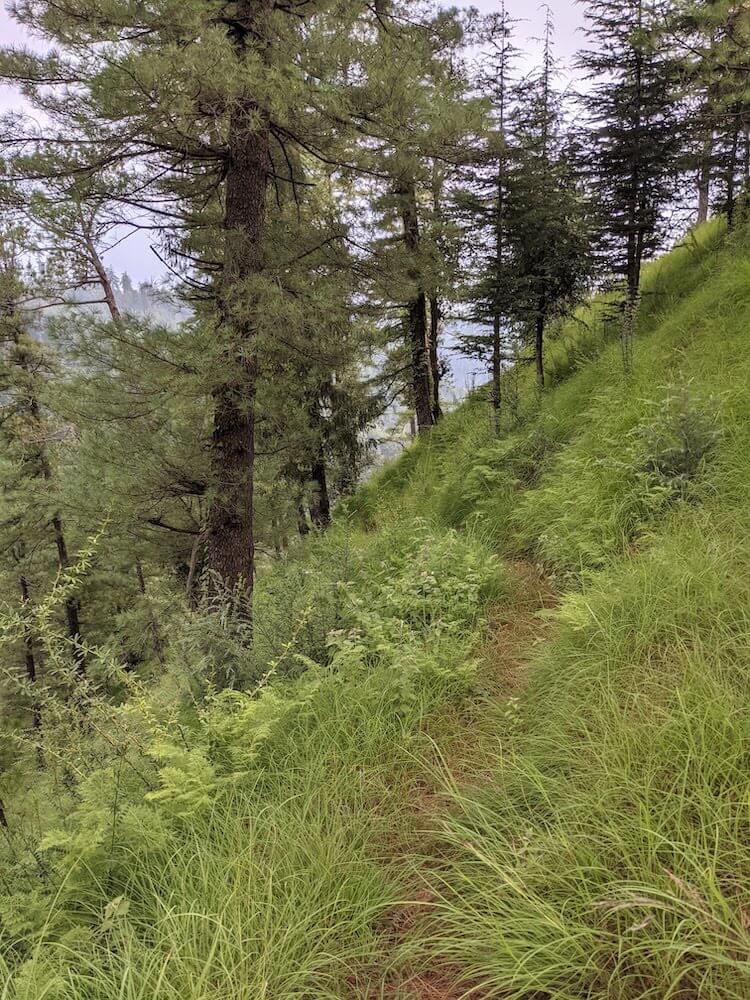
(516,629)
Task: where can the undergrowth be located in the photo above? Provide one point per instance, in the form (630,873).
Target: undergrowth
(246,842)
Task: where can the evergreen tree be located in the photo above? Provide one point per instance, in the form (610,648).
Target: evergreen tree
(547,215)
(712,39)
(32,518)
(636,136)
(227,118)
(481,207)
(422,126)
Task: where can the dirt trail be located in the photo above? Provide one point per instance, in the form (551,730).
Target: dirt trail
(516,629)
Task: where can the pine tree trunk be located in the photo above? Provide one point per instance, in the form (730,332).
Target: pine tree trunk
(633,282)
(420,363)
(435,309)
(539,348)
(416,315)
(434,357)
(72,607)
(30,662)
(704,181)
(636,222)
(193,571)
(155,635)
(730,174)
(28,643)
(302,526)
(230,538)
(320,512)
(629,318)
(497,373)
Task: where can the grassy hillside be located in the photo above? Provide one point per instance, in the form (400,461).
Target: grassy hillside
(396,804)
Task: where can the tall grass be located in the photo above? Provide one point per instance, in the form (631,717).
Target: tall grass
(610,856)
(607,852)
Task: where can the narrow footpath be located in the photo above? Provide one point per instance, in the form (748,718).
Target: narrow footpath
(464,748)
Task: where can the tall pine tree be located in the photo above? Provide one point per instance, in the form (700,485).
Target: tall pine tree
(636,137)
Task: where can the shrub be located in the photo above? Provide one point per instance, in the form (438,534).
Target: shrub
(678,440)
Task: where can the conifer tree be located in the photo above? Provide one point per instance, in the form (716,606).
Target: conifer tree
(32,516)
(481,208)
(423,122)
(712,40)
(636,136)
(547,215)
(204,109)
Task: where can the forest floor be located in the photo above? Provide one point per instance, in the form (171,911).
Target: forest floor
(463,749)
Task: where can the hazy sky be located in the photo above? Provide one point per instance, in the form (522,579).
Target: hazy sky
(136,259)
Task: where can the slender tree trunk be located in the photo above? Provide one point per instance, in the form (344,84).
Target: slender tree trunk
(110,299)
(28,642)
(30,663)
(730,177)
(3,817)
(72,607)
(230,537)
(416,314)
(497,373)
(320,508)
(637,211)
(43,467)
(435,315)
(302,526)
(155,635)
(704,180)
(192,570)
(320,512)
(435,304)
(420,363)
(631,305)
(539,348)
(632,283)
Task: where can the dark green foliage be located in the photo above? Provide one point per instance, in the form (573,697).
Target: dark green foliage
(638,137)
(228,663)
(680,441)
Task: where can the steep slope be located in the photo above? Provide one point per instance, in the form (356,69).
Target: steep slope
(439,783)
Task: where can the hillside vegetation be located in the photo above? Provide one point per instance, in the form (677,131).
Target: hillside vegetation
(392,810)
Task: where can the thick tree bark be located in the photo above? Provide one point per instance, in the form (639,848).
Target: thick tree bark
(416,313)
(230,538)
(435,314)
